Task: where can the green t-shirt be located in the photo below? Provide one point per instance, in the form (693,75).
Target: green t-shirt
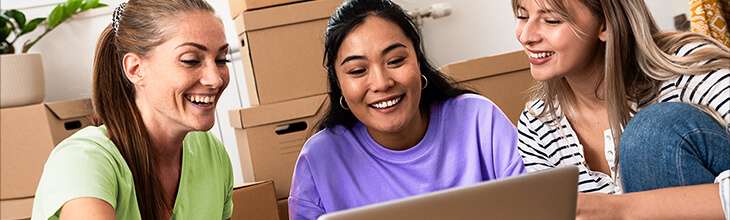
(88,164)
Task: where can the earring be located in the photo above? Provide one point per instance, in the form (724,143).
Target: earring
(425,80)
(342,104)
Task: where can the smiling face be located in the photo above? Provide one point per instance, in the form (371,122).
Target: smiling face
(555,47)
(179,82)
(378,73)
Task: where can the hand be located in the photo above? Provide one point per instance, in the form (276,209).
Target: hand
(598,206)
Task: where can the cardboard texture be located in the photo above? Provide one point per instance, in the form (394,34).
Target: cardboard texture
(283,208)
(282,50)
(27,136)
(504,79)
(239,6)
(269,138)
(16,208)
(255,201)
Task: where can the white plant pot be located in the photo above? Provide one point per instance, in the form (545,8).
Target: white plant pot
(21,80)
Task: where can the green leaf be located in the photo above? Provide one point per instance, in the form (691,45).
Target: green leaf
(89,4)
(56,16)
(4,33)
(67,13)
(32,25)
(18,16)
(72,6)
(4,21)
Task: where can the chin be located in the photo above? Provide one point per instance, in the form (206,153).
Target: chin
(203,126)
(541,75)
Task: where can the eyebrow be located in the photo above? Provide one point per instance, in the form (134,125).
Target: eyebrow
(200,46)
(385,51)
(541,11)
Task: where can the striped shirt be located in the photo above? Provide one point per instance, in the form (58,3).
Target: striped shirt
(543,145)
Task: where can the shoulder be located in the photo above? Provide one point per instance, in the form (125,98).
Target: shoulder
(205,147)
(692,47)
(90,143)
(469,103)
(470,100)
(326,142)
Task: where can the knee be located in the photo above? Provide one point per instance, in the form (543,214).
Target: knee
(668,118)
(662,124)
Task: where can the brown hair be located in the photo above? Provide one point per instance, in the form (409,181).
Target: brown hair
(141,28)
(637,58)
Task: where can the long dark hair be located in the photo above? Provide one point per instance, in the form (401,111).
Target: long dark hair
(346,18)
(141,28)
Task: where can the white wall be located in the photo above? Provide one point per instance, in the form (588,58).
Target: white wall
(476,28)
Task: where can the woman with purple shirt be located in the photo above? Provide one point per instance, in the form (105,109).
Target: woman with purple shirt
(396,126)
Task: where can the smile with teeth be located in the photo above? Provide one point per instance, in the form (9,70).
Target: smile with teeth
(387,103)
(200,99)
(540,55)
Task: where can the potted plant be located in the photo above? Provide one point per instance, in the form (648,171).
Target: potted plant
(21,73)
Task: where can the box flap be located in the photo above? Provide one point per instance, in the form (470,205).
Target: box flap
(16,208)
(255,201)
(486,66)
(277,112)
(70,109)
(285,14)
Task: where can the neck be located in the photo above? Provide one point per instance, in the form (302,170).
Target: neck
(165,139)
(404,139)
(588,87)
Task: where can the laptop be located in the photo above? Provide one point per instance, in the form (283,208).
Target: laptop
(548,194)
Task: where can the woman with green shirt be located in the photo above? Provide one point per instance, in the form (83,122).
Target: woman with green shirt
(159,69)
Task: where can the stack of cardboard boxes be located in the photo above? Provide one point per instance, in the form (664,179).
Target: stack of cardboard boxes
(27,136)
(282,50)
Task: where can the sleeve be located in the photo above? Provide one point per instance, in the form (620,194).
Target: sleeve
(506,159)
(710,89)
(228,204)
(304,200)
(724,180)
(528,144)
(75,169)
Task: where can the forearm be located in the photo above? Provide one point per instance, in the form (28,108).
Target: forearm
(686,202)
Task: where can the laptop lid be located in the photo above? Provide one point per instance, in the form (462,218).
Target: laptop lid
(548,194)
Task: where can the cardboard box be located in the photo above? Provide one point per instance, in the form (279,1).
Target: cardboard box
(16,208)
(28,134)
(283,208)
(270,137)
(255,201)
(239,6)
(282,50)
(504,79)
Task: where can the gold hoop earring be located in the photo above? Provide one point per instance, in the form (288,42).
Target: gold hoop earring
(343,105)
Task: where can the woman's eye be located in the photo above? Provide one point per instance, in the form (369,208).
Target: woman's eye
(190,62)
(356,71)
(553,21)
(396,62)
(222,61)
(521,17)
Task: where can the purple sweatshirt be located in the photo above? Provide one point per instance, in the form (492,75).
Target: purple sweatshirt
(468,140)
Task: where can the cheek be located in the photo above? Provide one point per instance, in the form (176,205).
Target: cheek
(351,88)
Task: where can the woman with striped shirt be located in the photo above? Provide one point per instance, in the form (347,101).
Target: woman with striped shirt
(636,109)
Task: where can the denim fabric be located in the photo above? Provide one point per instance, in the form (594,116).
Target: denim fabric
(672,144)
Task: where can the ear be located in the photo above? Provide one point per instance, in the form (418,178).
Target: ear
(603,33)
(133,68)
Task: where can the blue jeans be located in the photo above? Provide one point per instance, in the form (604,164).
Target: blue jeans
(672,144)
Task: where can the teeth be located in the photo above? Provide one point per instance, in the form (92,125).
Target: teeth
(386,104)
(201,99)
(540,55)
